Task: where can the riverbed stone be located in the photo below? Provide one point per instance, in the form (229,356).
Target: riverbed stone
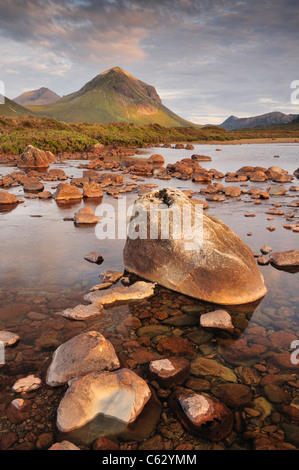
(94,257)
(85,216)
(92,190)
(170,371)
(33,157)
(64,445)
(81,355)
(8,198)
(8,338)
(138,291)
(285,260)
(233,395)
(27,384)
(202,367)
(119,396)
(67,192)
(202,415)
(82,312)
(220,319)
(221,268)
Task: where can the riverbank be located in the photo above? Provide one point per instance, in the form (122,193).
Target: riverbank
(57,137)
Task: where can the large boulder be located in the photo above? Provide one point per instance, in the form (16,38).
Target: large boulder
(211,263)
(33,158)
(117,398)
(85,353)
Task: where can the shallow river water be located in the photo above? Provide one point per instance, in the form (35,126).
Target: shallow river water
(42,270)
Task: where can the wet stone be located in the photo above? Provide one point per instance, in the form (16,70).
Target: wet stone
(202,415)
(94,257)
(170,371)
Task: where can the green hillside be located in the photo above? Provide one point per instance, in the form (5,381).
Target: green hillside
(10,108)
(113,96)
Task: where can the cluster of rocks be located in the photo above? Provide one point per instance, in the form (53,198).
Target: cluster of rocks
(197,374)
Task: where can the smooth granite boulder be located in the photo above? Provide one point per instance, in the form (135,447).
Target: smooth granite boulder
(210,262)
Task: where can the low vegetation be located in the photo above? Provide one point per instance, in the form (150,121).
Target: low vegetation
(56,136)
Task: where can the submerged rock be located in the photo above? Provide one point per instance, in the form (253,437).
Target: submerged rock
(219,268)
(138,291)
(202,367)
(118,396)
(81,355)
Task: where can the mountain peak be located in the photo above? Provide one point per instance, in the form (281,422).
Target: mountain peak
(38,97)
(114,96)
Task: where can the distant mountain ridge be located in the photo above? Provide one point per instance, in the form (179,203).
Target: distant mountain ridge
(38,97)
(268,119)
(113,96)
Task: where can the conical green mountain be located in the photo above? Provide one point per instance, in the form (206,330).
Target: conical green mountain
(12,109)
(113,96)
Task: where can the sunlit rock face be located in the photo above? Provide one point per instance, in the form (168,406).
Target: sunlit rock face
(212,264)
(81,355)
(202,415)
(138,291)
(116,397)
(34,158)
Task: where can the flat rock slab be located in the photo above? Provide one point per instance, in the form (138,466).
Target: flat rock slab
(171,371)
(8,338)
(28,384)
(119,396)
(286,260)
(82,312)
(138,291)
(85,353)
(151,331)
(217,319)
(202,367)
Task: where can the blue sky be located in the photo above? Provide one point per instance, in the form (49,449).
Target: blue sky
(207,59)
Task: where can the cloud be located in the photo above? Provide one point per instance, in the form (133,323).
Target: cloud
(207,58)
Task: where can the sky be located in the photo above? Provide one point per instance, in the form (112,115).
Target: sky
(208,59)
